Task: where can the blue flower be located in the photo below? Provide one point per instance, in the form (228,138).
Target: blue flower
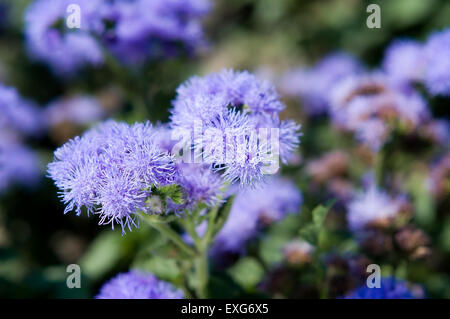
(65,50)
(110,171)
(151,29)
(19,114)
(390,288)
(18,163)
(234,120)
(372,206)
(404,60)
(313,85)
(138,285)
(437,72)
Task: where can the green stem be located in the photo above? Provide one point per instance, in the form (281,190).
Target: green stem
(164,229)
(202,272)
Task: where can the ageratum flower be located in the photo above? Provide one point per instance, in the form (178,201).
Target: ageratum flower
(371,207)
(233,119)
(372,105)
(151,29)
(18,163)
(110,171)
(390,288)
(19,114)
(80,110)
(51,41)
(437,72)
(313,85)
(404,60)
(254,208)
(138,285)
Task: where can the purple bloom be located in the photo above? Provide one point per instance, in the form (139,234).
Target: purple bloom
(437,72)
(110,171)
(371,206)
(253,208)
(313,85)
(138,285)
(18,164)
(18,114)
(404,60)
(199,183)
(234,122)
(152,29)
(79,110)
(371,105)
(65,50)
(390,288)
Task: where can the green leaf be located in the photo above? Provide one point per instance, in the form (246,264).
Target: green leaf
(320,213)
(247,272)
(162,267)
(310,234)
(173,191)
(102,255)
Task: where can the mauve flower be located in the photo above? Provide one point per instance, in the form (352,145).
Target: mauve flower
(404,61)
(437,70)
(372,105)
(18,163)
(51,41)
(110,171)
(80,110)
(19,114)
(313,85)
(390,288)
(138,285)
(234,120)
(370,207)
(150,29)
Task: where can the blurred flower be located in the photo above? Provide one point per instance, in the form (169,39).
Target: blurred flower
(298,252)
(330,165)
(437,72)
(313,85)
(149,29)
(253,208)
(18,114)
(235,114)
(371,105)
(404,60)
(438,131)
(79,110)
(138,285)
(49,40)
(372,207)
(390,288)
(18,163)
(110,170)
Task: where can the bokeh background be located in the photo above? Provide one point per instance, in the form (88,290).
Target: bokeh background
(37,241)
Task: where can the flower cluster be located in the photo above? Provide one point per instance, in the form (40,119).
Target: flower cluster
(371,106)
(18,164)
(134,31)
(145,29)
(372,207)
(410,61)
(19,114)
(80,110)
(312,85)
(233,119)
(390,288)
(110,170)
(138,285)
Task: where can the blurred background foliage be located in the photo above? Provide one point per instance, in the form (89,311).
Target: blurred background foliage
(268,37)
